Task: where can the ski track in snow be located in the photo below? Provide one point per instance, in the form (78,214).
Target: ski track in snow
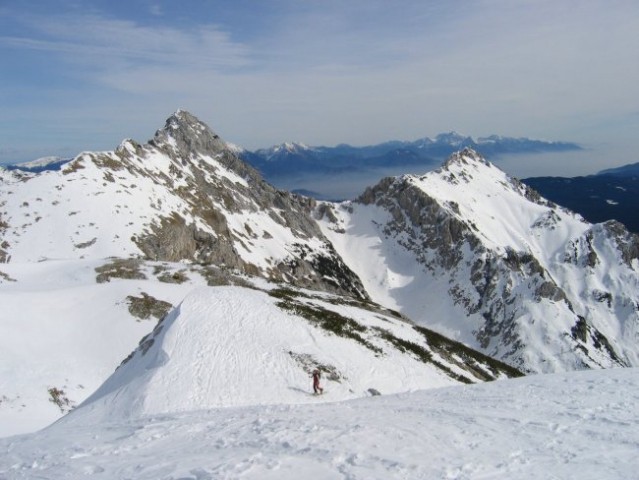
(579,425)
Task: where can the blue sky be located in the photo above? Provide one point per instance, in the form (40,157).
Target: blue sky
(83,75)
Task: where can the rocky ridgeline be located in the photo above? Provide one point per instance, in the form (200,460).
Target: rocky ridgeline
(208,207)
(185,140)
(504,289)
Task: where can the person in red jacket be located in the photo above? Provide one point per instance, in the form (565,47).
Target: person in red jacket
(316,385)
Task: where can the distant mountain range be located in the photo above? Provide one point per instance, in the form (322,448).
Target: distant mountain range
(40,165)
(610,194)
(294,158)
(297,158)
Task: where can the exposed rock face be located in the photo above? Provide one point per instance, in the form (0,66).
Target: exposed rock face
(190,144)
(185,136)
(524,285)
(423,224)
(186,196)
(627,243)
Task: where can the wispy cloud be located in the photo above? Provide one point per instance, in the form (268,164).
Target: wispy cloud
(98,41)
(156,10)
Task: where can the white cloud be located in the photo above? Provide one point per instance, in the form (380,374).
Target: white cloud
(95,41)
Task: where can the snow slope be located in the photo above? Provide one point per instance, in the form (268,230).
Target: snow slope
(466,250)
(67,325)
(473,253)
(61,329)
(577,425)
(232,346)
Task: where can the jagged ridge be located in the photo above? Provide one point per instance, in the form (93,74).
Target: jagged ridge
(182,196)
(516,273)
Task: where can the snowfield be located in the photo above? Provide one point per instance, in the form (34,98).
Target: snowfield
(580,425)
(217,346)
(60,329)
(214,393)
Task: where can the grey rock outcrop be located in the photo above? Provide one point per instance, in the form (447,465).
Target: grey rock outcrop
(501,289)
(202,233)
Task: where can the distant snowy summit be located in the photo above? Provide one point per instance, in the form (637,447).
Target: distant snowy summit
(298,158)
(40,165)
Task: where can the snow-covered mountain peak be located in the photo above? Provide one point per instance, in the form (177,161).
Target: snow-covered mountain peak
(464,176)
(292,147)
(285,150)
(183,196)
(524,279)
(464,157)
(185,135)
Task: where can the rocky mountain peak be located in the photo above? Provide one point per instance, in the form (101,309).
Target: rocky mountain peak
(452,138)
(184,135)
(508,261)
(466,156)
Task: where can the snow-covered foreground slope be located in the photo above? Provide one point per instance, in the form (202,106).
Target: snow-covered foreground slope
(230,346)
(578,425)
(60,329)
(66,326)
(91,251)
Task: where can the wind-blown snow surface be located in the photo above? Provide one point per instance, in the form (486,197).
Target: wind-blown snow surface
(579,425)
(60,329)
(230,346)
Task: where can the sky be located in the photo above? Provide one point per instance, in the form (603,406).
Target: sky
(84,75)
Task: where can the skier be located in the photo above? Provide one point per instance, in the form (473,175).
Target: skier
(316,385)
